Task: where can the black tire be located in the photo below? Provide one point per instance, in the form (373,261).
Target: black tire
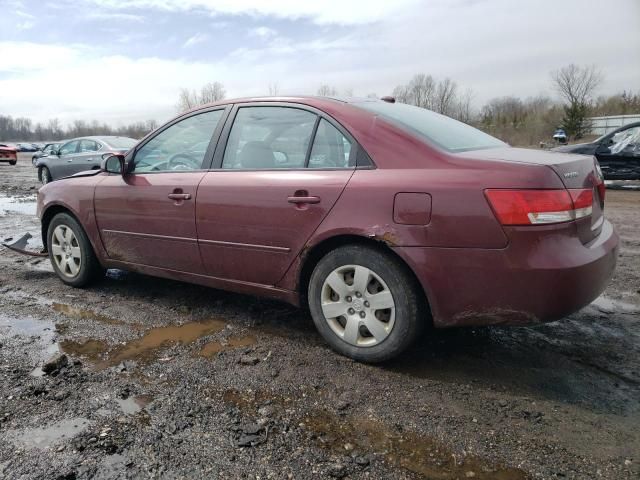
(44,175)
(90,268)
(411,315)
(13,162)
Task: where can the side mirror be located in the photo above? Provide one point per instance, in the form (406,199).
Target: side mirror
(112,163)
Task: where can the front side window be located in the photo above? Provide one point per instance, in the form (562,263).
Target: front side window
(626,142)
(331,149)
(268,138)
(181,147)
(69,148)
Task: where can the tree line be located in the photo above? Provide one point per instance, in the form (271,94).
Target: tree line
(24,130)
(518,121)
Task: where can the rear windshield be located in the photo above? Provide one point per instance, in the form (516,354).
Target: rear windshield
(440,130)
(121,142)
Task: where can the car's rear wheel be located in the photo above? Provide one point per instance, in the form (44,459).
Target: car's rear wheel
(365,303)
(13,162)
(71,253)
(45,175)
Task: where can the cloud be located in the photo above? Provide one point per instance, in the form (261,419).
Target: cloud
(262,32)
(325,12)
(195,40)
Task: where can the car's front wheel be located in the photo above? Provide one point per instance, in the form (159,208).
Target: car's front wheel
(365,303)
(45,175)
(71,253)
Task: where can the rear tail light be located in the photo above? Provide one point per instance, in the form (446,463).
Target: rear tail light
(535,207)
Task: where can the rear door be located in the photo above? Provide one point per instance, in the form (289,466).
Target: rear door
(147,217)
(278,171)
(88,155)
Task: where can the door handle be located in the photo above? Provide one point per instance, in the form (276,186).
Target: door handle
(300,199)
(179,196)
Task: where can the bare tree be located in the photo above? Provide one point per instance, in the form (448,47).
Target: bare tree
(445,97)
(274,89)
(576,85)
(463,109)
(210,92)
(327,91)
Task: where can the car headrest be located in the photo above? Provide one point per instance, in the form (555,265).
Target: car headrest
(256,155)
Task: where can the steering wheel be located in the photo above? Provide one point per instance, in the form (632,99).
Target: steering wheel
(182,161)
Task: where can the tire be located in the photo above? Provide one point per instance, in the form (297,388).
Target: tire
(44,175)
(72,255)
(13,162)
(393,329)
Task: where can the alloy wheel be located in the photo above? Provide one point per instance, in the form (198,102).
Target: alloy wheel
(358,305)
(65,251)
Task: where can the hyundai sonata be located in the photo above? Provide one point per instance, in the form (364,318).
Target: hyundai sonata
(381,217)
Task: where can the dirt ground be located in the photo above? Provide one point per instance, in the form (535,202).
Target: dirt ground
(170,380)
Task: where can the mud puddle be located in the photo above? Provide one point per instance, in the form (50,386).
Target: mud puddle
(416,453)
(14,205)
(44,437)
(82,314)
(145,348)
(213,348)
(132,405)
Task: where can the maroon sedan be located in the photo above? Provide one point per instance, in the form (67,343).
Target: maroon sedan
(382,217)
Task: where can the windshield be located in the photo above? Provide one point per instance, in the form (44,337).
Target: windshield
(440,130)
(121,142)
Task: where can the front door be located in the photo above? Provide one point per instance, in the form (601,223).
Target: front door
(274,186)
(147,217)
(64,164)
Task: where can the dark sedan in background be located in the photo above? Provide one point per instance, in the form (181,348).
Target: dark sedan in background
(78,155)
(618,152)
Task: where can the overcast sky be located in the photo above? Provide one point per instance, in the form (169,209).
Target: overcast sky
(125,60)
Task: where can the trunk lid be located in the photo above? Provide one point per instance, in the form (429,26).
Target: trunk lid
(575,171)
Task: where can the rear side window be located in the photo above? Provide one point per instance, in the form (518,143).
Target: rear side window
(444,132)
(88,146)
(268,138)
(331,149)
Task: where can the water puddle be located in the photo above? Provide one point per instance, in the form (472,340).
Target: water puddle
(609,305)
(145,348)
(41,334)
(43,437)
(416,453)
(25,205)
(131,405)
(83,314)
(213,348)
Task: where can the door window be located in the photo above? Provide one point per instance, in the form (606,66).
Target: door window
(331,149)
(88,146)
(69,148)
(626,143)
(181,147)
(268,138)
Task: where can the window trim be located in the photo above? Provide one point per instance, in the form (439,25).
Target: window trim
(218,156)
(206,161)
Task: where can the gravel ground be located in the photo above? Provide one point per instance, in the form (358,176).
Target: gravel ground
(161,379)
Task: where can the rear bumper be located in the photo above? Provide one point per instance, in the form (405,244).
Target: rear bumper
(542,275)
